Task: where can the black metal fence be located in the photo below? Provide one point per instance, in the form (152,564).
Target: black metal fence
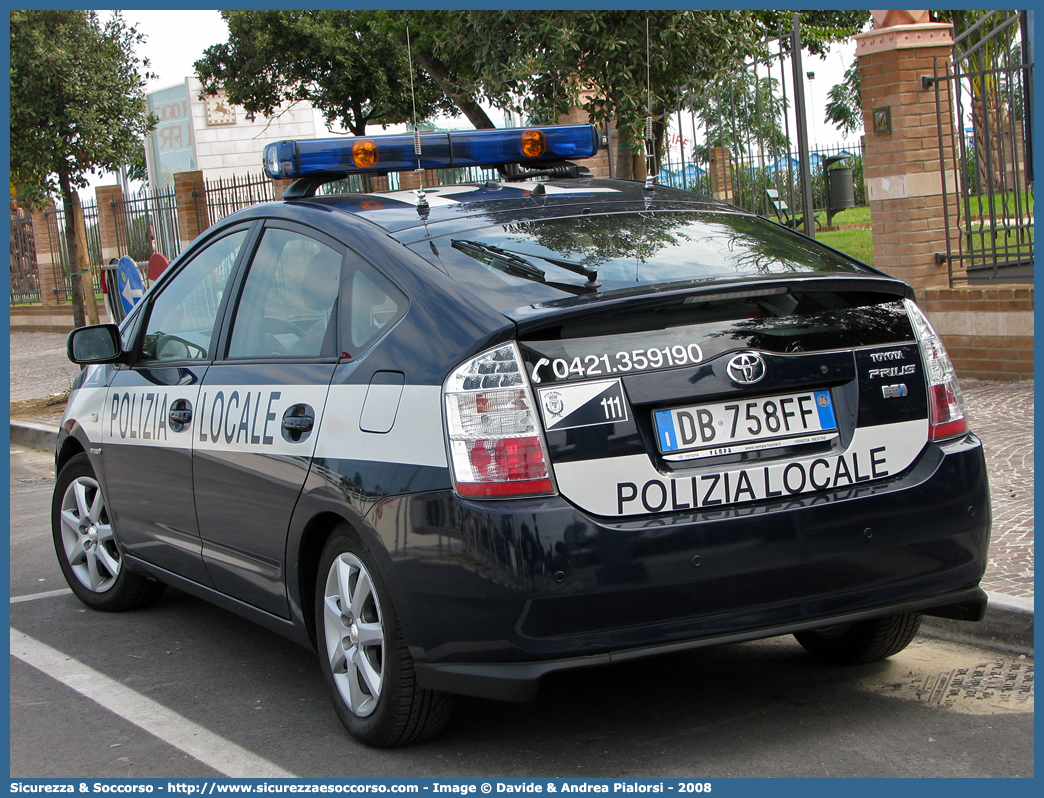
(745,138)
(225,196)
(25,275)
(61,264)
(751,178)
(987,97)
(147,224)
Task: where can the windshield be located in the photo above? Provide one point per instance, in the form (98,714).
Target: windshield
(547,259)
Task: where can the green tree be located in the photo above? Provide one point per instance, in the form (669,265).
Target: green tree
(354,74)
(739,110)
(988,43)
(77,106)
(845,104)
(819,27)
(454,70)
(543,63)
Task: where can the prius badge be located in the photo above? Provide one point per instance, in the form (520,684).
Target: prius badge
(746,369)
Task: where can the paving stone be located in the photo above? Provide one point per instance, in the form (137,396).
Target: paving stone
(1001,413)
(39,365)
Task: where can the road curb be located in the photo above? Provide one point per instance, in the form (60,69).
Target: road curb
(37,436)
(1008,625)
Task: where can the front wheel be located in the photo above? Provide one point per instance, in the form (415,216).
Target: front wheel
(863,641)
(366,665)
(86,544)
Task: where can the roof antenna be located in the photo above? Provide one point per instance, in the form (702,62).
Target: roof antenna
(422,198)
(650,147)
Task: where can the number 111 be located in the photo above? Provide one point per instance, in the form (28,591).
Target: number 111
(612,407)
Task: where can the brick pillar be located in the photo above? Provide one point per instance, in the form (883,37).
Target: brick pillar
(47,262)
(901,166)
(108,219)
(720,173)
(192,210)
(409,181)
(279,186)
(599,164)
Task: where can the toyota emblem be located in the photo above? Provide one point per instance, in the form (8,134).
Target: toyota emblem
(746,369)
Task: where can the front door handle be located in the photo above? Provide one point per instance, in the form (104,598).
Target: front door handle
(297,423)
(180,414)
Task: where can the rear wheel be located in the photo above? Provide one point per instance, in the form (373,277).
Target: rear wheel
(863,641)
(366,664)
(86,544)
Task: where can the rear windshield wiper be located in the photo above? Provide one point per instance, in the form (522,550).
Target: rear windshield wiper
(502,259)
(568,265)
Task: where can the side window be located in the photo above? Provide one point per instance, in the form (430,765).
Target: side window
(374,303)
(181,319)
(288,305)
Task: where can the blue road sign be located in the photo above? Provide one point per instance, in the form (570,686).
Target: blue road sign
(131,288)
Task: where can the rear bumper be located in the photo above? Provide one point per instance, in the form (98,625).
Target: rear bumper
(519,681)
(492,595)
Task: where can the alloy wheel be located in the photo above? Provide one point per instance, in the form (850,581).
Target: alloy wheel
(87,536)
(354,631)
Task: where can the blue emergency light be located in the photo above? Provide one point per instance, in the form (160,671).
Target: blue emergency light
(376,154)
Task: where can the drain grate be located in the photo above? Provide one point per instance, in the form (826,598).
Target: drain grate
(978,685)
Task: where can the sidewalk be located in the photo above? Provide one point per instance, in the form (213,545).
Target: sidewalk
(1001,414)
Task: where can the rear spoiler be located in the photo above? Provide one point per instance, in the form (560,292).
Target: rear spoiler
(531,318)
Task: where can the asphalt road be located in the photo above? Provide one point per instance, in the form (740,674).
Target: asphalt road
(183,689)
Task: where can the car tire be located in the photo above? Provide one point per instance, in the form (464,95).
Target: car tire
(863,641)
(86,544)
(366,665)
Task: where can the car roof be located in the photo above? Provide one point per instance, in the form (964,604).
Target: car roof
(459,206)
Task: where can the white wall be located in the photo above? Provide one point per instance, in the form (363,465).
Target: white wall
(224,151)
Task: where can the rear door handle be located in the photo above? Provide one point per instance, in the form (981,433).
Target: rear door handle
(297,423)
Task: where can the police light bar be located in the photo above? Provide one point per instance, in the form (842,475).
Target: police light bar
(356,155)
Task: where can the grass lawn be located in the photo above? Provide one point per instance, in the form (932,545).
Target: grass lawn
(980,205)
(858,244)
(850,216)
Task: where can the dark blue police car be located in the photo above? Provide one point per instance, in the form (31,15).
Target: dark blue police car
(458,438)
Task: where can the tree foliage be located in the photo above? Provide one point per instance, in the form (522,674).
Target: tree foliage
(543,63)
(77,106)
(77,99)
(819,27)
(844,102)
(742,114)
(355,75)
(351,64)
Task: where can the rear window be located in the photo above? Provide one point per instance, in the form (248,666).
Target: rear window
(547,259)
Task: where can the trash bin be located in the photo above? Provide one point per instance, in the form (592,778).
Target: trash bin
(842,188)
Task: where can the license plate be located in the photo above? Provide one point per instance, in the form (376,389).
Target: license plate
(768,422)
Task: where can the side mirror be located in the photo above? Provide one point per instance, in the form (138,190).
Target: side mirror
(99,343)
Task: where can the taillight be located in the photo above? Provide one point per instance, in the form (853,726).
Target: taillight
(946,414)
(496,446)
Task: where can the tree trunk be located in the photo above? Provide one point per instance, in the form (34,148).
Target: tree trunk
(467,105)
(659,138)
(85,306)
(624,159)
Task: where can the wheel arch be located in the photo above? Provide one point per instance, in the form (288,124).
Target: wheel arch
(321,509)
(68,449)
(309,551)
